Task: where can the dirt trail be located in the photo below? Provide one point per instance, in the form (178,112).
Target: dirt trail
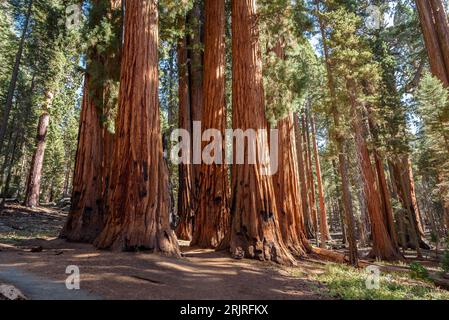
(201,274)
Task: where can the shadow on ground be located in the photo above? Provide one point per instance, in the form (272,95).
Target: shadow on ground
(201,274)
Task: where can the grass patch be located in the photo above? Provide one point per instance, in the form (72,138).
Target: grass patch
(349,283)
(18,236)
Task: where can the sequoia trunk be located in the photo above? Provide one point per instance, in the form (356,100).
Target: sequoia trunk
(138,201)
(255,231)
(86,216)
(436,59)
(185,192)
(212,216)
(287,191)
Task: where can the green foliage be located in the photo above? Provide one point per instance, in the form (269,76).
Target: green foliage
(50,63)
(418,271)
(290,64)
(433,106)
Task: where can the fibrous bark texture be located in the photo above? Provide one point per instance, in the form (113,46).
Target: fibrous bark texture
(212,217)
(286,183)
(138,200)
(185,193)
(255,229)
(86,216)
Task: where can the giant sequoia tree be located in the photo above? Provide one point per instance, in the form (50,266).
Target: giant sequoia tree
(212,216)
(186,179)
(91,176)
(138,201)
(255,231)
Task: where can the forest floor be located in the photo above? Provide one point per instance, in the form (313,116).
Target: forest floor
(35,260)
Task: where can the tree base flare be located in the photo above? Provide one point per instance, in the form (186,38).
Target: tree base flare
(261,250)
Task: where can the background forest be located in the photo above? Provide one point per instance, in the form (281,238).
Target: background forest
(357,89)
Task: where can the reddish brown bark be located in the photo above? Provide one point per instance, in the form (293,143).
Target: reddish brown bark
(433,46)
(402,176)
(255,231)
(185,192)
(286,179)
(94,154)
(384,247)
(384,190)
(138,201)
(195,69)
(287,191)
(435,28)
(34,177)
(212,217)
(324,228)
(442,30)
(303,178)
(310,178)
(108,151)
(86,216)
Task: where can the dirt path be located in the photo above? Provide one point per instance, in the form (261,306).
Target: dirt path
(201,274)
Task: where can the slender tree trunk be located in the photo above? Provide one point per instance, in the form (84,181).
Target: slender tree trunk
(324,229)
(21,137)
(8,150)
(347,201)
(446,214)
(212,217)
(310,178)
(255,231)
(186,205)
(34,177)
(138,201)
(339,203)
(86,216)
(303,178)
(15,73)
(8,161)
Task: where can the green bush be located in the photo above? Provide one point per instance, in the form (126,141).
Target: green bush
(417,271)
